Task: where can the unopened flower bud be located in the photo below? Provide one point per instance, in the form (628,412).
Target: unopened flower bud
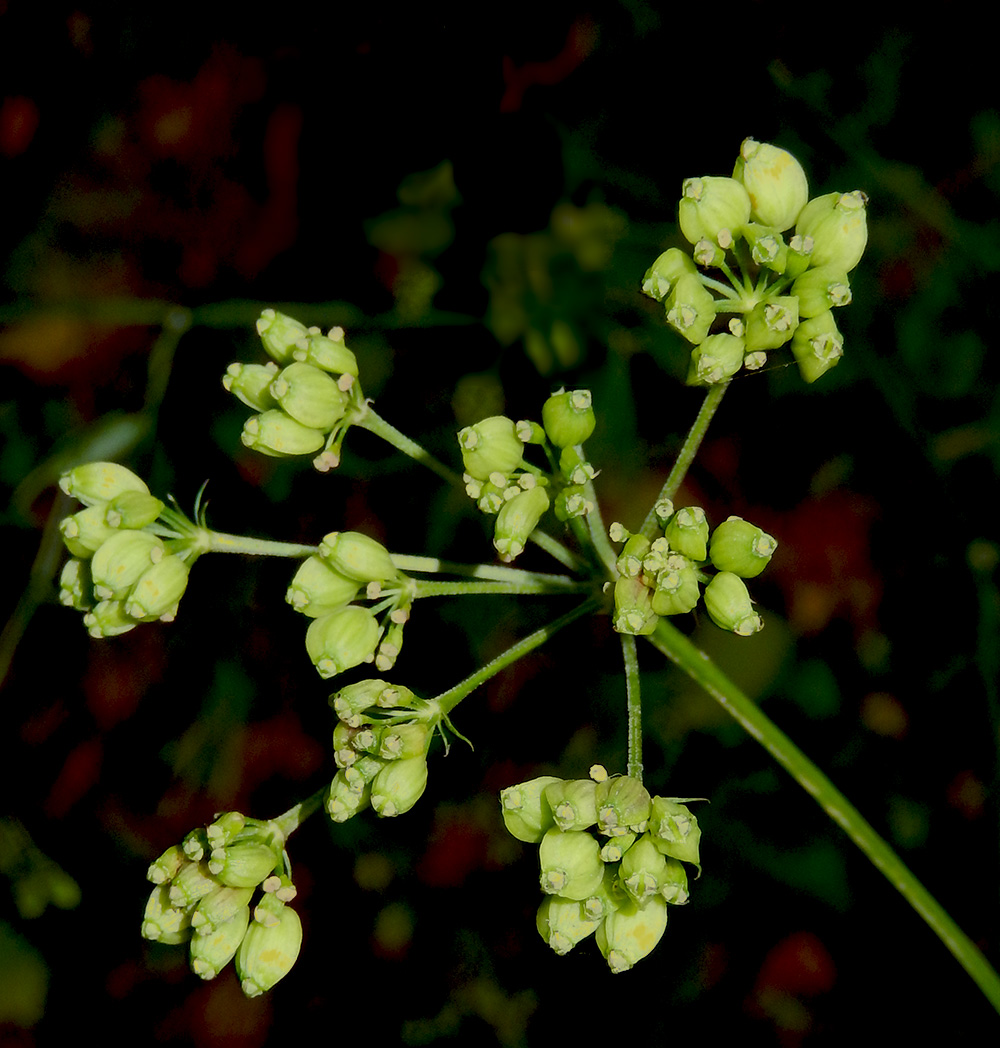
(687,532)
(75,585)
(665,272)
(838,226)
(490,446)
(268,952)
(328,353)
(93,483)
(216,947)
(741,547)
(279,334)
(571,864)
(399,785)
(159,588)
(821,289)
(729,606)
(572,803)
(318,590)
(710,205)
(119,563)
(85,532)
(631,932)
(344,638)
(251,383)
(310,396)
(771,323)
(108,619)
(633,610)
(526,812)
(568,417)
(677,587)
(674,829)
(164,922)
(775,182)
(690,308)
(278,435)
(192,882)
(516,521)
(622,803)
(219,906)
(643,870)
(629,561)
(767,246)
(132,509)
(817,346)
(243,863)
(563,923)
(167,866)
(716,360)
(357,556)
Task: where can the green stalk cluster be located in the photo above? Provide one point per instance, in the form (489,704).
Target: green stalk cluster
(664,575)
(380,747)
(203,894)
(775,291)
(611,857)
(130,554)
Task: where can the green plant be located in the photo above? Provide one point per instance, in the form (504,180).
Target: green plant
(767,269)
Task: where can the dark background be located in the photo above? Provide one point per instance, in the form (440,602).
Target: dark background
(362,162)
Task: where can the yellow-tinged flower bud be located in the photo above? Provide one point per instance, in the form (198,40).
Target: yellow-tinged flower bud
(121,561)
(631,932)
(571,864)
(357,556)
(159,588)
(741,547)
(838,226)
(710,206)
(251,383)
(563,923)
(318,590)
(94,483)
(572,803)
(268,952)
(212,950)
(716,360)
(399,785)
(774,181)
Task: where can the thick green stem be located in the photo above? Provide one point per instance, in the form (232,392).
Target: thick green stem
(701,669)
(692,442)
(374,423)
(292,819)
(448,700)
(634,701)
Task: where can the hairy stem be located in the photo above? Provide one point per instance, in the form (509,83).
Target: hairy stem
(634,702)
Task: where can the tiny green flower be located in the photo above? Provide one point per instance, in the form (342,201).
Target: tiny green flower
(674,829)
(572,803)
(563,923)
(310,396)
(517,519)
(344,638)
(622,804)
(771,323)
(729,606)
(318,590)
(85,532)
(633,609)
(767,246)
(94,483)
(157,591)
(571,864)
(193,881)
(711,205)
(167,866)
(399,785)
(211,951)
(218,907)
(687,532)
(677,589)
(357,556)
(329,353)
(817,346)
(838,226)
(108,618)
(690,308)
(490,446)
(821,289)
(631,932)
(665,272)
(132,509)
(162,921)
(526,812)
(775,182)
(716,360)
(279,334)
(268,952)
(278,435)
(75,588)
(244,863)
(119,563)
(741,547)
(568,417)
(251,383)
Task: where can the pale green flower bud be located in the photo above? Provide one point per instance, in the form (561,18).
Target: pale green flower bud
(278,435)
(571,864)
(192,882)
(490,446)
(122,560)
(157,591)
(243,863)
(574,467)
(279,334)
(572,502)
(218,907)
(711,205)
(690,308)
(674,829)
(767,246)
(838,226)
(821,289)
(568,417)
(516,520)
(775,182)
(630,559)
(741,547)
(318,590)
(616,847)
(267,953)
(817,346)
(328,353)
(399,785)
(526,812)
(344,801)
(75,585)
(357,556)
(687,532)
(563,923)
(212,951)
(132,509)
(108,619)
(709,255)
(224,828)
(771,323)
(633,609)
(344,638)
(85,532)
(643,870)
(402,741)
(167,866)
(715,360)
(622,804)
(162,921)
(729,606)
(310,396)
(93,483)
(674,887)
(572,803)
(677,589)
(631,932)
(529,432)
(251,383)
(665,272)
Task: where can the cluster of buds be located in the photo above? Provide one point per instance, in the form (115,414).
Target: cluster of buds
(203,893)
(380,745)
(517,492)
(612,857)
(129,562)
(785,257)
(306,397)
(664,576)
(349,565)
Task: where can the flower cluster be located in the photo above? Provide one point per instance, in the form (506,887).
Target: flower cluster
(343,634)
(129,562)
(307,396)
(663,576)
(519,493)
(202,897)
(779,290)
(380,745)
(612,857)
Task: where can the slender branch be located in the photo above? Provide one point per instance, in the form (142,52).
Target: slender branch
(697,665)
(292,819)
(497,572)
(634,702)
(556,549)
(374,423)
(448,700)
(713,397)
(458,589)
(219,542)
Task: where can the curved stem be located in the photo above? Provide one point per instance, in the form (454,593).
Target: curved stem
(448,700)
(700,668)
(713,397)
(634,702)
(374,423)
